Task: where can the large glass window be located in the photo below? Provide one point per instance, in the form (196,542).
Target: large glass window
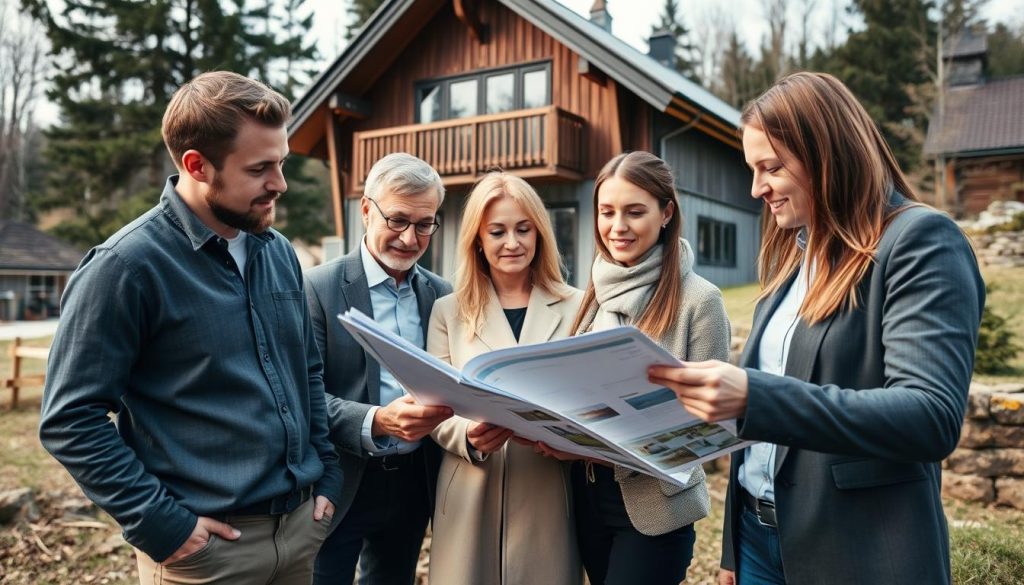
(716,242)
(430,103)
(535,88)
(563,220)
(462,99)
(501,93)
(485,92)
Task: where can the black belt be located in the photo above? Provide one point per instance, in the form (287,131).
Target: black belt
(763,509)
(391,462)
(275,506)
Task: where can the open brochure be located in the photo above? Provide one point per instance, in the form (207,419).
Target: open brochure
(587,395)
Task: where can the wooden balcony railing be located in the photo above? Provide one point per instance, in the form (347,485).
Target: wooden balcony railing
(540,142)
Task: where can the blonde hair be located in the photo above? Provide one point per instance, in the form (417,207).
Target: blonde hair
(472,280)
(653,175)
(206,114)
(851,172)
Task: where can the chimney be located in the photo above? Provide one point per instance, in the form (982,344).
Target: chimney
(599,15)
(662,48)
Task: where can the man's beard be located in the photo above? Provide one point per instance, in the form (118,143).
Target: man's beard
(251,221)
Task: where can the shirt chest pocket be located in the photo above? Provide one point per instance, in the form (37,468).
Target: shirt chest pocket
(287,324)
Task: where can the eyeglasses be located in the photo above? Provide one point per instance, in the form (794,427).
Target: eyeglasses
(400,224)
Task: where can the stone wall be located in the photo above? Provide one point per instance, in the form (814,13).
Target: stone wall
(1000,249)
(988,464)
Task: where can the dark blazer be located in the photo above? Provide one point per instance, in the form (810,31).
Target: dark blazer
(872,401)
(351,377)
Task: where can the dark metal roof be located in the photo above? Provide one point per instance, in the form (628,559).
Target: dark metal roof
(651,81)
(23,247)
(979,118)
(966,44)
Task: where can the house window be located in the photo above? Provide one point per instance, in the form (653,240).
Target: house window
(716,242)
(430,103)
(563,220)
(501,93)
(431,259)
(486,92)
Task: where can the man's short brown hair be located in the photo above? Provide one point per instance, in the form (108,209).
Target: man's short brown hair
(206,113)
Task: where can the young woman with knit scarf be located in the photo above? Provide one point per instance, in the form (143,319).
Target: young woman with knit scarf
(631,527)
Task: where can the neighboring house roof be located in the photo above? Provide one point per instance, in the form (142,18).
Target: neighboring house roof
(979,119)
(966,44)
(23,247)
(655,83)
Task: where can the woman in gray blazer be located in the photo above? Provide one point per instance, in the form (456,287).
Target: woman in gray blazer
(634,528)
(856,371)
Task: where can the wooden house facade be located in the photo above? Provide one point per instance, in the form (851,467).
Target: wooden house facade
(532,88)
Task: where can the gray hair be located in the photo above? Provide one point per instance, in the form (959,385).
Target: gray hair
(404,174)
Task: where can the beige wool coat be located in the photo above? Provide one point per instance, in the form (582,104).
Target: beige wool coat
(508,519)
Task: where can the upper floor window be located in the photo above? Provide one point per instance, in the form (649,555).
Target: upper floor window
(486,92)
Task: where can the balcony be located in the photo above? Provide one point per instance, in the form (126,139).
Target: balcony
(545,142)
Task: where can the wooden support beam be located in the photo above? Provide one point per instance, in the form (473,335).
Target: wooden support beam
(468,12)
(334,162)
(349,106)
(590,71)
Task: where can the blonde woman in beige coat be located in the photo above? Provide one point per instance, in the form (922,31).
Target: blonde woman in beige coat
(503,513)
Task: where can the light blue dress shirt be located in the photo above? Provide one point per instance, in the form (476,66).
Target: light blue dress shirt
(757,473)
(396,309)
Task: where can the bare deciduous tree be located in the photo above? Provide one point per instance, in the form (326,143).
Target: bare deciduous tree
(22,68)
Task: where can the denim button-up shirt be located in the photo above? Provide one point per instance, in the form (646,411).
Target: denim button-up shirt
(216,380)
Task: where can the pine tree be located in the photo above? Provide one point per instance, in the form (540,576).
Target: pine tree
(117,64)
(1006,51)
(887,66)
(359,12)
(737,82)
(671,22)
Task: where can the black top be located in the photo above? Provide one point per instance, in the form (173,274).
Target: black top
(516,317)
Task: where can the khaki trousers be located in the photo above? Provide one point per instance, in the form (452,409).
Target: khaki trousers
(277,550)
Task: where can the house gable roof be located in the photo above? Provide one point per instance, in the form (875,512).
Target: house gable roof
(979,119)
(663,88)
(23,247)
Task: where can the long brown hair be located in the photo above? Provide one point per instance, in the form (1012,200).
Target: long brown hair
(472,279)
(851,172)
(651,174)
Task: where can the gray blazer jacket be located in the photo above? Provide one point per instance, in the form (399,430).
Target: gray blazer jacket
(872,401)
(351,377)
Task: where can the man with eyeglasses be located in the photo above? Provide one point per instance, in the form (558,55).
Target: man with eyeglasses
(382,435)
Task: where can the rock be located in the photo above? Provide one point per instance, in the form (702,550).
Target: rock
(987,462)
(1010,492)
(17,504)
(970,488)
(1008,388)
(1007,408)
(77,508)
(978,434)
(978,398)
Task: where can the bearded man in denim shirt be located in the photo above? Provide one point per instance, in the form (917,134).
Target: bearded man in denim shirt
(190,324)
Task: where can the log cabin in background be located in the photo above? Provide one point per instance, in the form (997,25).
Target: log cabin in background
(976,134)
(539,91)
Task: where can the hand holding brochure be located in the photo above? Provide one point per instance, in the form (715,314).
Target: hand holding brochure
(587,395)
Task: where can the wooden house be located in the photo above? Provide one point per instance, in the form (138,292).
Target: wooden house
(976,134)
(34,269)
(539,91)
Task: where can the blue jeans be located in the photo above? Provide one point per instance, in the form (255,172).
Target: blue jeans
(760,561)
